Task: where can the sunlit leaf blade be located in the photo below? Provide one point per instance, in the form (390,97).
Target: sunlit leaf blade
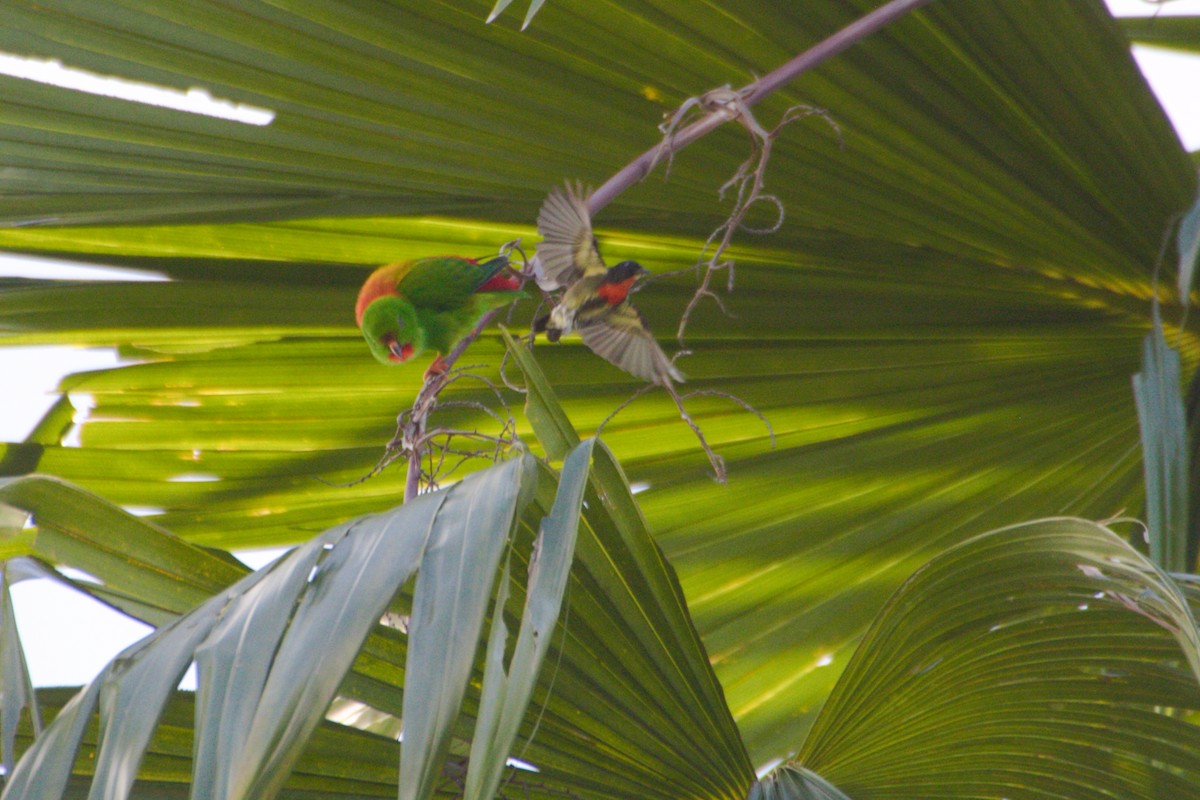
(942,332)
(450,598)
(1052,652)
(542,407)
(506,692)
(54,424)
(790,782)
(1165,459)
(159,576)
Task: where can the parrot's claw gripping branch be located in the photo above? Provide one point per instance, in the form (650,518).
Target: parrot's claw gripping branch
(414,440)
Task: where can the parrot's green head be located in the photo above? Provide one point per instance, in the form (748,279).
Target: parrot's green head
(390,326)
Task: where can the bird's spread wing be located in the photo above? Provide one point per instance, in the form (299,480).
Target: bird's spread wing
(568,249)
(623,338)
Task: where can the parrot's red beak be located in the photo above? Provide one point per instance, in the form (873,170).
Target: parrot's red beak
(396,351)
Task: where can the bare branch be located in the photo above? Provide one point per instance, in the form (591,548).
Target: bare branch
(718,463)
(861,28)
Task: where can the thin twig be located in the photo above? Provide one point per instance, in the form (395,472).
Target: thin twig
(718,463)
(749,180)
(733,398)
(621,407)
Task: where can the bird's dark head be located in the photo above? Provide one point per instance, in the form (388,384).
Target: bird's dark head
(624,271)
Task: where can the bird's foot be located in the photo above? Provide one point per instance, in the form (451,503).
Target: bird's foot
(438,367)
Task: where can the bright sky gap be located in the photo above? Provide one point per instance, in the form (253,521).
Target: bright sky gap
(194,100)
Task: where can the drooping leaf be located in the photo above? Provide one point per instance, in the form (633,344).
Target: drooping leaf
(273,648)
(340,761)
(45,767)
(16,687)
(505,693)
(355,583)
(1051,652)
(229,693)
(449,602)
(1165,450)
(654,721)
(134,690)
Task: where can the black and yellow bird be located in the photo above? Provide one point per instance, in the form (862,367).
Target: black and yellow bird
(596,301)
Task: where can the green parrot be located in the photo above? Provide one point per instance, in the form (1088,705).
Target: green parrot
(430,304)
(596,301)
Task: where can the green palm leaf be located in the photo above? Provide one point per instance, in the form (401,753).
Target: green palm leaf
(1050,652)
(941,333)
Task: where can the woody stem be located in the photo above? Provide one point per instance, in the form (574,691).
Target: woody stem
(861,28)
(414,431)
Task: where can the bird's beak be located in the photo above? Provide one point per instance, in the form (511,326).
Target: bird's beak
(399,352)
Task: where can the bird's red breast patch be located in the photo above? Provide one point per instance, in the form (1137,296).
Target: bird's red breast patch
(613,293)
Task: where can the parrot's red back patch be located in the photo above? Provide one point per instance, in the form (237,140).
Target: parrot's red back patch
(500,283)
(382,283)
